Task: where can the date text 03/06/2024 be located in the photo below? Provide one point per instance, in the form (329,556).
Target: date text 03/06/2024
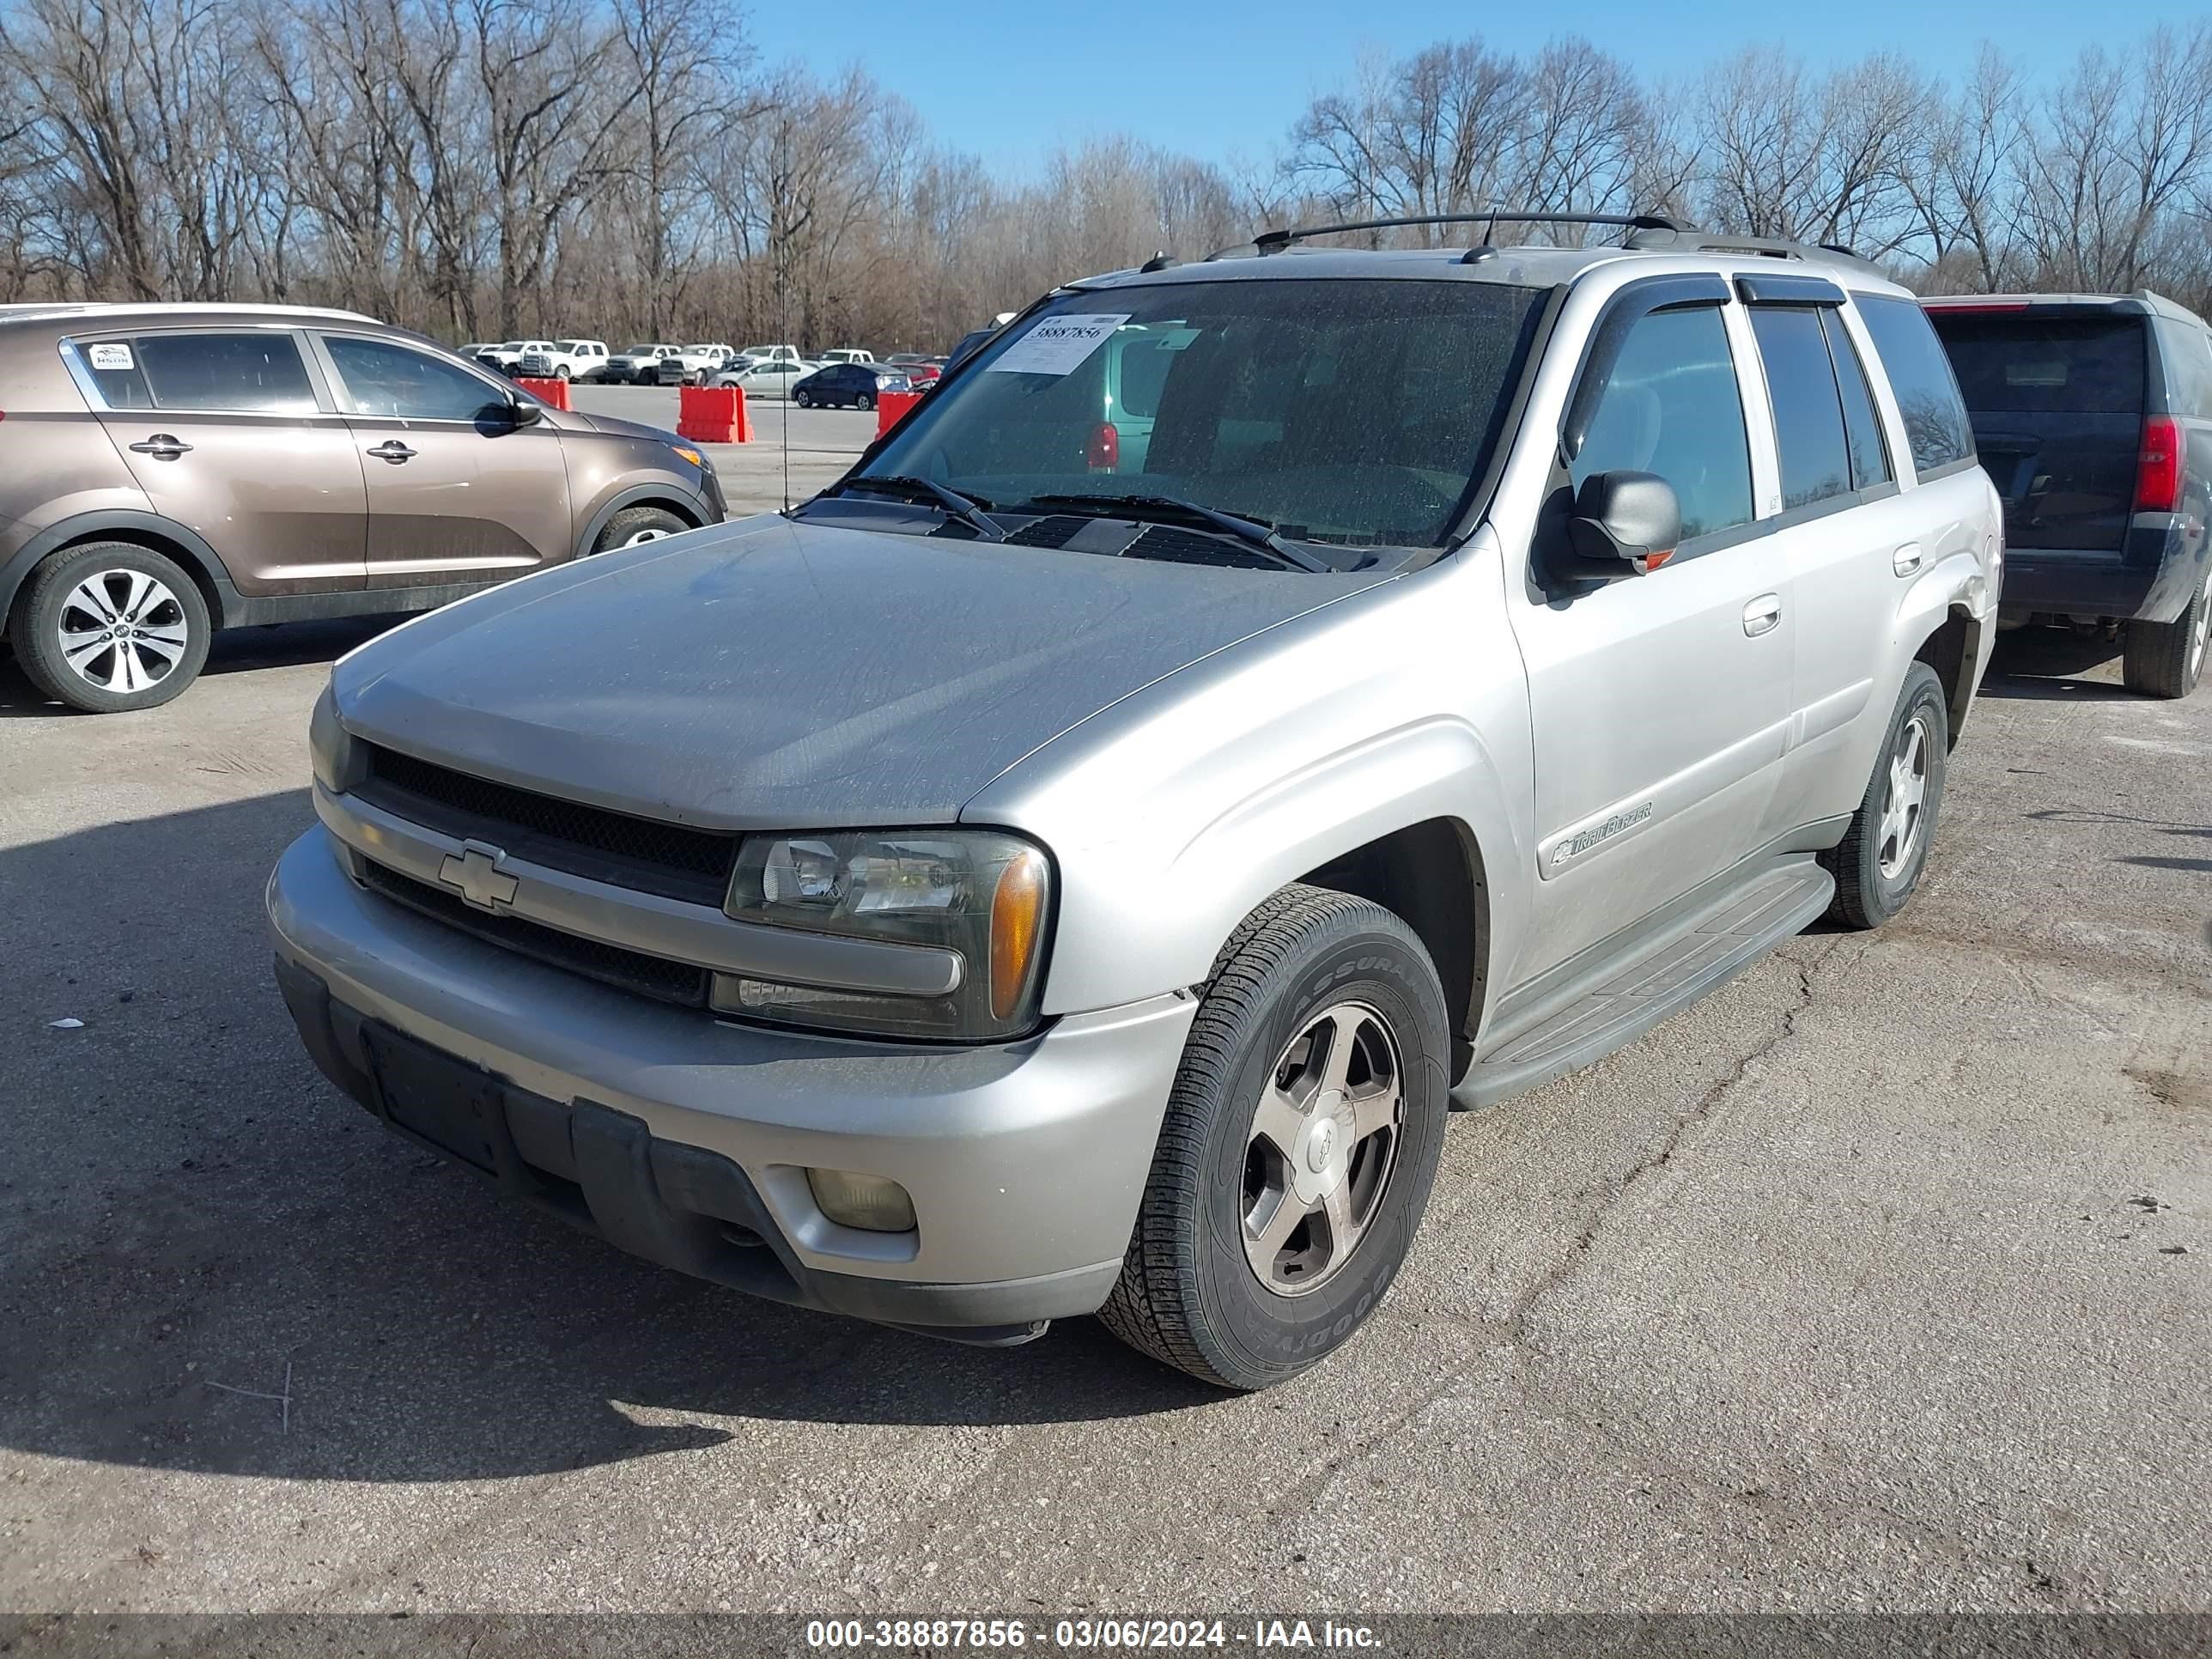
(1129,1633)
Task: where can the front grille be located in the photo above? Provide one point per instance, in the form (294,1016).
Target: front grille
(670,859)
(632,970)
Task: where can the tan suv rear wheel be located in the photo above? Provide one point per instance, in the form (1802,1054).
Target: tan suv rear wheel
(110,626)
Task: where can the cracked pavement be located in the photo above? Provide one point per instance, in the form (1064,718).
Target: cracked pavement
(1879,1279)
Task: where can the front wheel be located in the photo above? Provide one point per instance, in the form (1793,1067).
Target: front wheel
(803,400)
(1878,863)
(1300,1142)
(2167,659)
(634,526)
(560,370)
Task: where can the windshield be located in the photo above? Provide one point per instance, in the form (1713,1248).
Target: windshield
(1352,411)
(638,350)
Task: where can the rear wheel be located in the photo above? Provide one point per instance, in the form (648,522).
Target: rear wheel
(110,627)
(1878,863)
(865,400)
(1301,1140)
(2167,659)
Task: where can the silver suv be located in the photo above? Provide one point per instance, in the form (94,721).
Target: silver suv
(1075,863)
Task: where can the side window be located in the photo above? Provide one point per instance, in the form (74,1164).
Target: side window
(1935,429)
(259,372)
(2188,367)
(382,378)
(114,367)
(1671,405)
(1808,419)
(1862,426)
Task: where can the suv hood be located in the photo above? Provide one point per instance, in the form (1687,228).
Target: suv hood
(773,675)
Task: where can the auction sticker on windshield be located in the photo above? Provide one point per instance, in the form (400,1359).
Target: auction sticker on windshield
(1057,345)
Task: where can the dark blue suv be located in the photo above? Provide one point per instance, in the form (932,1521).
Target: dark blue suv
(2093,415)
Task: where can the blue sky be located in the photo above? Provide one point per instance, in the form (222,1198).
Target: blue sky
(1009,82)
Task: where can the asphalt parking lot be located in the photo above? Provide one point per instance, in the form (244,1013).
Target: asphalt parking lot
(1882,1280)
(793,453)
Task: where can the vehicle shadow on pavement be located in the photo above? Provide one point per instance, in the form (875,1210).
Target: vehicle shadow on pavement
(211,1260)
(280,645)
(2046,663)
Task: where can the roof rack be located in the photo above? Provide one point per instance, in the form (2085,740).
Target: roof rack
(1683,239)
(1274,242)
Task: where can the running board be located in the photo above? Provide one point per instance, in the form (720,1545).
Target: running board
(1658,974)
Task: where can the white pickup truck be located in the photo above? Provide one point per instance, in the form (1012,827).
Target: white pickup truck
(562,359)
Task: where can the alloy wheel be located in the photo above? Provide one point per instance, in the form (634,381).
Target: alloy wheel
(2204,632)
(1904,806)
(123,630)
(640,537)
(1322,1147)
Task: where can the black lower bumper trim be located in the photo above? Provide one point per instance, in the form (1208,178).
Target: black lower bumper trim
(605,1171)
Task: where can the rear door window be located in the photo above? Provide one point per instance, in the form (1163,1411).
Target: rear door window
(1927,392)
(1862,425)
(1671,406)
(257,373)
(1808,416)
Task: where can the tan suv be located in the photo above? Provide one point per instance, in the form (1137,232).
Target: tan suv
(169,470)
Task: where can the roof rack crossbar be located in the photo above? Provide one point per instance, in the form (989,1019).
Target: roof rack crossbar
(1273,241)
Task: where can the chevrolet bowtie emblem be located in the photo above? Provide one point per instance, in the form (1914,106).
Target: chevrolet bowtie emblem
(475,872)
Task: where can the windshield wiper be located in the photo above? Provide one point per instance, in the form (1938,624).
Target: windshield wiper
(1169,509)
(966,508)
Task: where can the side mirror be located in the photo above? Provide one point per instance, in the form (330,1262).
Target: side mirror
(525,414)
(1624,518)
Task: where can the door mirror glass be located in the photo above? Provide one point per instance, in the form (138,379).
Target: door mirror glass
(1625,519)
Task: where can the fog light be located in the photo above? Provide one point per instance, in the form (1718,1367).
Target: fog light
(866,1201)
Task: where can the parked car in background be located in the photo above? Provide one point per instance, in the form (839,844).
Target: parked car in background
(848,355)
(702,362)
(782,353)
(764,377)
(1085,891)
(507,356)
(2093,415)
(638,364)
(563,359)
(175,468)
(840,384)
(920,375)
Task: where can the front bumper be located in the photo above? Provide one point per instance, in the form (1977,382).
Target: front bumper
(686,1140)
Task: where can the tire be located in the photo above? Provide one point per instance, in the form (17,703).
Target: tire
(865,400)
(803,400)
(560,371)
(1191,1292)
(2167,659)
(77,591)
(1877,865)
(634,526)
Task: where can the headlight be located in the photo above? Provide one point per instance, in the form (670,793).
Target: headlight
(986,896)
(338,762)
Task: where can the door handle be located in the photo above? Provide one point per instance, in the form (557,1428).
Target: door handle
(1906,559)
(1760,616)
(393,450)
(161,446)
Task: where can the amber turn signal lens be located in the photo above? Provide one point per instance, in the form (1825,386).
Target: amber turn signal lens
(1017,925)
